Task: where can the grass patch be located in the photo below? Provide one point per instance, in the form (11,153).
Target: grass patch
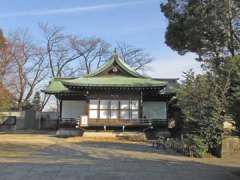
(9,154)
(22,145)
(101,139)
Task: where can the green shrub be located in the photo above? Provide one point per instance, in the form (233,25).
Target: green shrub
(197,146)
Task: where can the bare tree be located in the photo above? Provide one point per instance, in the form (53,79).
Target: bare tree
(28,68)
(93,52)
(137,58)
(69,55)
(59,53)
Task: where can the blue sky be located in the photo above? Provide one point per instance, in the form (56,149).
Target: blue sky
(137,22)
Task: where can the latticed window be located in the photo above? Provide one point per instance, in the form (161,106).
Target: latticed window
(124,109)
(114,109)
(104,109)
(93,109)
(134,109)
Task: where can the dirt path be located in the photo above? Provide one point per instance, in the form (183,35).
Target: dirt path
(42,156)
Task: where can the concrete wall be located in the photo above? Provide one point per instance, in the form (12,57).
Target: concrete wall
(73,109)
(47,120)
(30,120)
(34,120)
(19,118)
(155,110)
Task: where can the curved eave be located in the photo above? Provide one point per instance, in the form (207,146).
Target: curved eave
(114,86)
(54,92)
(74,89)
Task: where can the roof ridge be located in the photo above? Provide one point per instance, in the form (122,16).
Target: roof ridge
(101,68)
(63,78)
(115,58)
(119,60)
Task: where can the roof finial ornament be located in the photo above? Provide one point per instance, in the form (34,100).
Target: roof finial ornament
(114,55)
(115,51)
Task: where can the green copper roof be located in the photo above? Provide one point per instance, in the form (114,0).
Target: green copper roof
(61,85)
(101,78)
(114,81)
(56,86)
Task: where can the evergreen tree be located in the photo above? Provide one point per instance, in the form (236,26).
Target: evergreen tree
(209,28)
(202,109)
(232,69)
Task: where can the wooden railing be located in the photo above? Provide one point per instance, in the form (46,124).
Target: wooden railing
(147,121)
(143,121)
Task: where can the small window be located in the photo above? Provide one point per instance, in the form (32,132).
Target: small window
(93,104)
(134,104)
(104,104)
(114,114)
(114,104)
(93,114)
(103,114)
(124,104)
(124,115)
(134,114)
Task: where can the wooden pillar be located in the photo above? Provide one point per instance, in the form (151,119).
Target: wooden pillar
(141,105)
(60,114)
(60,108)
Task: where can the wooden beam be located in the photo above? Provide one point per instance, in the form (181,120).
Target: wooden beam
(60,114)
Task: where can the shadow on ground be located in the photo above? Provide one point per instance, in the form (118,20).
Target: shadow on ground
(107,160)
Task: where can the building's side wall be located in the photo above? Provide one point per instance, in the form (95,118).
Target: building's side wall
(155,110)
(73,109)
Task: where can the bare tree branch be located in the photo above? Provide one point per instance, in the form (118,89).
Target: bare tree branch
(28,67)
(93,51)
(137,58)
(58,50)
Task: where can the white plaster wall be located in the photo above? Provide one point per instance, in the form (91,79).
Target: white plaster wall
(155,110)
(73,109)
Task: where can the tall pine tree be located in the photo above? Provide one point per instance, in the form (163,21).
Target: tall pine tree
(210,29)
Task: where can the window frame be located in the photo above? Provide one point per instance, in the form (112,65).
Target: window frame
(93,109)
(109,110)
(114,110)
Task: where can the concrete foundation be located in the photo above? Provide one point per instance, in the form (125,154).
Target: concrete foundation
(69,132)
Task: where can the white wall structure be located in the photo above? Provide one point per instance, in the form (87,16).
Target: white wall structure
(73,109)
(155,110)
